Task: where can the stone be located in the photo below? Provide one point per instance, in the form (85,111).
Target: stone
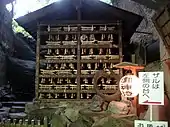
(59,119)
(105,106)
(112,122)
(72,114)
(121,108)
(82,121)
(96,104)
(31,107)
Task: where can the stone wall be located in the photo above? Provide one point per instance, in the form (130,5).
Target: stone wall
(6,41)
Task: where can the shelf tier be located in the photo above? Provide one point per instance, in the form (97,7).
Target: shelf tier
(75,46)
(66,76)
(74,91)
(57,61)
(75,61)
(76,32)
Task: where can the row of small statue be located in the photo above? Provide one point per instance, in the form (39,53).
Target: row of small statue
(71,81)
(84,37)
(64,96)
(71,66)
(83,28)
(91,51)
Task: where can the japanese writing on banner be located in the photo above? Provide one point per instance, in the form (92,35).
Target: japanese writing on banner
(142,123)
(152,88)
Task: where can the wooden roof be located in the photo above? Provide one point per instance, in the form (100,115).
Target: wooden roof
(90,10)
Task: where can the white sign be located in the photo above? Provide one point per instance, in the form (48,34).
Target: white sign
(152,88)
(129,86)
(142,123)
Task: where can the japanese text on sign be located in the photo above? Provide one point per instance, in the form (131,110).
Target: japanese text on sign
(129,85)
(152,88)
(142,123)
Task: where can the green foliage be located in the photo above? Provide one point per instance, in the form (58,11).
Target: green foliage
(19,29)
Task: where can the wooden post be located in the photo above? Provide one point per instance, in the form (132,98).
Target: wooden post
(37,63)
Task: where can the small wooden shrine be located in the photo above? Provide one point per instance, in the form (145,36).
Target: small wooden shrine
(75,39)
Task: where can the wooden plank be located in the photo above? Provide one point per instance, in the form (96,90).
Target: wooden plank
(57,61)
(37,62)
(57,76)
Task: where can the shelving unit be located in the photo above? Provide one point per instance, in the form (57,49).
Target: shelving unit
(68,56)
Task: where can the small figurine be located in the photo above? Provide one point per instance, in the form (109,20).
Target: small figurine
(100,51)
(71,65)
(69,28)
(49,96)
(67,37)
(110,37)
(88,96)
(92,28)
(63,66)
(57,37)
(68,81)
(48,66)
(65,95)
(102,80)
(43,80)
(49,51)
(51,80)
(91,51)
(85,81)
(66,52)
(41,96)
(72,96)
(89,66)
(56,66)
(84,38)
(105,28)
(57,52)
(73,51)
(92,37)
(108,81)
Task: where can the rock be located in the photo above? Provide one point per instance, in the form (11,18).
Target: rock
(31,107)
(96,104)
(112,122)
(39,114)
(72,114)
(105,106)
(59,119)
(118,108)
(83,121)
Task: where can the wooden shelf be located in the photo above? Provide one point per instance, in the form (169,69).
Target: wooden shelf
(87,76)
(57,76)
(58,46)
(57,61)
(100,61)
(57,91)
(103,91)
(76,32)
